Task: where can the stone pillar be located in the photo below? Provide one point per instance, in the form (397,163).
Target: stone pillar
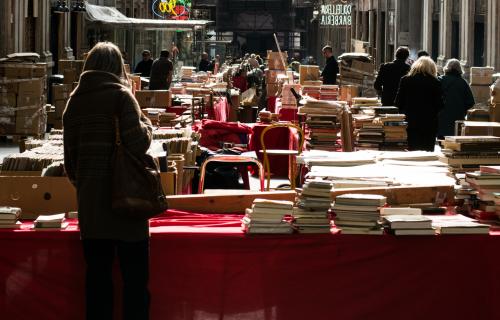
(43,32)
(63,34)
(492,34)
(427,26)
(467,35)
(6,35)
(444,32)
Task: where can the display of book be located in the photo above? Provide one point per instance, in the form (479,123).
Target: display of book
(358,213)
(267,216)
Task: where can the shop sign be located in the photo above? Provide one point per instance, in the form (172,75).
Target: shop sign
(336,14)
(172,9)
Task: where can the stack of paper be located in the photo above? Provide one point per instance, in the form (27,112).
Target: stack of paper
(9,216)
(311,215)
(54,221)
(266,216)
(458,224)
(406,221)
(359,213)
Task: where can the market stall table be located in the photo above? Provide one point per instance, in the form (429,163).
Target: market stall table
(204,267)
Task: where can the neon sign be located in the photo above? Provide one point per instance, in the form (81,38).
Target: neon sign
(337,15)
(172,9)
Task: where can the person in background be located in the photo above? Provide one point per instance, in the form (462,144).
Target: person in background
(216,64)
(144,66)
(252,61)
(204,63)
(329,74)
(175,51)
(420,98)
(457,97)
(102,94)
(161,72)
(423,53)
(240,80)
(389,75)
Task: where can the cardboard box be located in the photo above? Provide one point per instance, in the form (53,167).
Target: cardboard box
(481,75)
(272,89)
(27,100)
(9,86)
(308,73)
(272,75)
(7,124)
(8,71)
(64,64)
(480,128)
(54,121)
(60,106)
(495,92)
(61,91)
(70,76)
(481,93)
(25,70)
(363,66)
(32,87)
(7,111)
(154,98)
(40,70)
(7,99)
(38,195)
(31,121)
(495,112)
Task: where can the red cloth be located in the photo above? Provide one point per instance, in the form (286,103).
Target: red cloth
(271,104)
(214,132)
(278,138)
(204,267)
(220,111)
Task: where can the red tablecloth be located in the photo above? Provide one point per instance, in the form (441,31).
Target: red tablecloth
(203,267)
(286,114)
(278,138)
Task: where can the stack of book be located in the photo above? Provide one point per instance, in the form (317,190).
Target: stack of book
(187,73)
(314,202)
(458,224)
(48,222)
(359,213)
(395,136)
(267,216)
(467,153)
(9,217)
(329,92)
(358,102)
(288,100)
(370,136)
(324,123)
(406,221)
(313,91)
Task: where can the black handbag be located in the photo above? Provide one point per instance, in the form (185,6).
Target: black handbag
(136,184)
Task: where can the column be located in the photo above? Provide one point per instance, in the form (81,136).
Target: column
(42,41)
(444,32)
(380,28)
(427,26)
(492,34)
(6,36)
(467,35)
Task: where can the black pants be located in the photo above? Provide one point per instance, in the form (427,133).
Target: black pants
(134,266)
(421,139)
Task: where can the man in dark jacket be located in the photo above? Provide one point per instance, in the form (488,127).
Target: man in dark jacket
(390,74)
(329,74)
(161,72)
(204,63)
(144,66)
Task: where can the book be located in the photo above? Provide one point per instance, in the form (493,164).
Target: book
(414,232)
(12,225)
(408,222)
(362,231)
(354,207)
(458,224)
(50,221)
(400,211)
(361,199)
(490,169)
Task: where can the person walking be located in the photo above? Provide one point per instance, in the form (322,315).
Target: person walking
(329,74)
(204,63)
(389,75)
(161,72)
(144,66)
(457,97)
(102,94)
(420,98)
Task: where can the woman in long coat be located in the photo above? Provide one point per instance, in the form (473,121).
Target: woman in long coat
(457,97)
(419,97)
(102,94)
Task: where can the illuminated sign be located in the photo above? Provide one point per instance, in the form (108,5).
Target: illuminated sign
(336,14)
(172,9)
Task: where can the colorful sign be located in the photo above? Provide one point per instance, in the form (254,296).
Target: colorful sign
(337,14)
(172,9)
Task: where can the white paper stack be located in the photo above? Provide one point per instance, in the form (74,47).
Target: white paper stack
(54,221)
(9,217)
(266,216)
(359,213)
(406,221)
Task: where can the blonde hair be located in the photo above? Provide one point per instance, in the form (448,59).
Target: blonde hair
(106,56)
(425,66)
